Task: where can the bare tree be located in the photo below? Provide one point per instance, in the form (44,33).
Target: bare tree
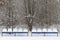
(29,10)
(9,20)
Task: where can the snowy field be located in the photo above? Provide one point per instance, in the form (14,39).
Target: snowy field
(29,38)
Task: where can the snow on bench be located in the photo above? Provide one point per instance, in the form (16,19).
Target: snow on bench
(44,31)
(15,31)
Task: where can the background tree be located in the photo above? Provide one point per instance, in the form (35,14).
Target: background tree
(37,13)
(10,20)
(46,13)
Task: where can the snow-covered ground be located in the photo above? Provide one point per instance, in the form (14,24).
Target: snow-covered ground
(29,38)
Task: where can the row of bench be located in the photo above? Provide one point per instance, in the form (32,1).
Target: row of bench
(25,31)
(33,33)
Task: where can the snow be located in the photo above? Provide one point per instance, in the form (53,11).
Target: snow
(39,30)
(25,30)
(20,30)
(44,30)
(9,30)
(33,30)
(49,30)
(4,30)
(30,38)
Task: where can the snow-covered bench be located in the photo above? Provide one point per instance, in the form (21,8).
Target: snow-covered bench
(45,31)
(15,31)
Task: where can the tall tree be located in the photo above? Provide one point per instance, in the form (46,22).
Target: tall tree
(29,6)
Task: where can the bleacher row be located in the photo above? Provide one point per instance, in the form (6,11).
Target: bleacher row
(25,32)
